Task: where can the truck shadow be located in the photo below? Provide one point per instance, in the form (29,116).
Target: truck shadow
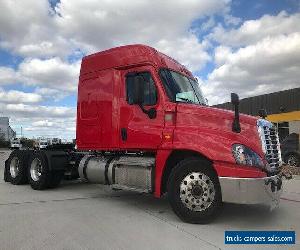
(235,215)
(251,215)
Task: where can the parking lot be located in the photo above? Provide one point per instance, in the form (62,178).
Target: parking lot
(84,216)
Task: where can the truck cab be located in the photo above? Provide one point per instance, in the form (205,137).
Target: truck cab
(143,124)
(134,98)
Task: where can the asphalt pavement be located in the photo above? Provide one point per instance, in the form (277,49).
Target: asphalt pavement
(86,216)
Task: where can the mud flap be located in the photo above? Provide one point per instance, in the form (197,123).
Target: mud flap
(6,172)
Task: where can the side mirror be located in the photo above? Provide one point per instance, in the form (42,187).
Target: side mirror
(138,96)
(235,100)
(138,90)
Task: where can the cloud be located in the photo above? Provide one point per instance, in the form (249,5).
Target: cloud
(38,120)
(221,54)
(269,65)
(27,28)
(25,110)
(192,54)
(14,96)
(252,31)
(231,20)
(207,25)
(105,24)
(101,24)
(54,128)
(43,123)
(50,93)
(50,73)
(7,76)
(41,32)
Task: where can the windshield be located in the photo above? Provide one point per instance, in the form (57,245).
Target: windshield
(180,88)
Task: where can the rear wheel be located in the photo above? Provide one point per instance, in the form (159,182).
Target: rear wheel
(15,168)
(194,191)
(39,175)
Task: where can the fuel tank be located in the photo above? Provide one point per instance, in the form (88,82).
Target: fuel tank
(121,172)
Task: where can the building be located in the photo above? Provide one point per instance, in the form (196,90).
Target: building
(283,109)
(6,132)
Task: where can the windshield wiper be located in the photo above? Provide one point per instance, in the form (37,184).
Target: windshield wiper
(185,99)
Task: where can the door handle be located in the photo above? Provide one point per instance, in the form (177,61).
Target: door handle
(124,134)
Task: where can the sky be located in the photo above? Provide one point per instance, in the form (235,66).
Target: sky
(247,47)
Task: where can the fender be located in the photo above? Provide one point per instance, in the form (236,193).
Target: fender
(160,164)
(210,144)
(57,160)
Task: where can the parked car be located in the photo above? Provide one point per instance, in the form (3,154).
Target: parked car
(15,143)
(291,150)
(41,143)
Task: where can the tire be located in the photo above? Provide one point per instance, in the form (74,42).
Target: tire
(39,175)
(16,167)
(194,191)
(293,160)
(55,179)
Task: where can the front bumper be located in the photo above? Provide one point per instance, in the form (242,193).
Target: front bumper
(265,190)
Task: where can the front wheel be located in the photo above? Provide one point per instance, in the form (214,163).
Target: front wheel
(194,191)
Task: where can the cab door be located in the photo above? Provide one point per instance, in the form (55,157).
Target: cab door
(137,130)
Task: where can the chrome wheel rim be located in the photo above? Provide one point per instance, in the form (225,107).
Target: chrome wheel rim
(36,169)
(292,161)
(197,191)
(14,167)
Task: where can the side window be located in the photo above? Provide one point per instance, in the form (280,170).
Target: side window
(150,94)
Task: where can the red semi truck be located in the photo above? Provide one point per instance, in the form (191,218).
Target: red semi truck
(143,124)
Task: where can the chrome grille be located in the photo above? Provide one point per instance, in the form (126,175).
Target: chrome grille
(270,144)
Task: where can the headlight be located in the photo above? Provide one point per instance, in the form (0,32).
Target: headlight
(245,156)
